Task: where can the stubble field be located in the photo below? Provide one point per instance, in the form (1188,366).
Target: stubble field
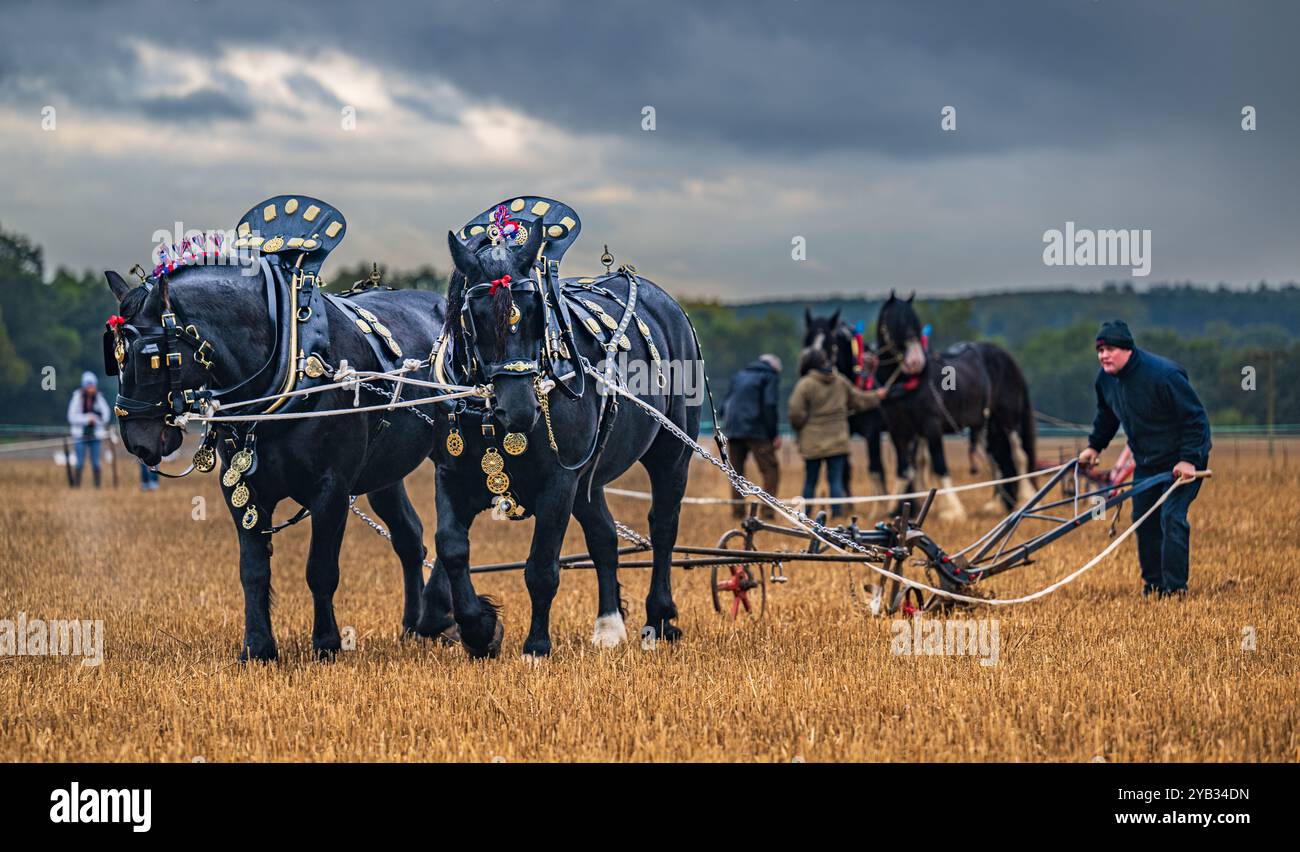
(1092,671)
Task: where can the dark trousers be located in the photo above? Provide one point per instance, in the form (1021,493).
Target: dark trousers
(1163,541)
(834,478)
(764,455)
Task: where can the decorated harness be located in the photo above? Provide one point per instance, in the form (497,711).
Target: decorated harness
(569,307)
(289,238)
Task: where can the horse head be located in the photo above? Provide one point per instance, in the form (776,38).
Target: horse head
(832,336)
(164,353)
(898,335)
(502,320)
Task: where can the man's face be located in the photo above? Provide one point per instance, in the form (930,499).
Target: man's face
(1112,358)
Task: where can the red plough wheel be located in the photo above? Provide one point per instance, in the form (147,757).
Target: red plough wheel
(745,583)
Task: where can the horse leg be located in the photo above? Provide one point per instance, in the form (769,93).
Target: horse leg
(255,577)
(542,571)
(394,508)
(481,630)
(846,479)
(939,464)
(602,544)
(1000,449)
(667,462)
(903,451)
(329,515)
(875,459)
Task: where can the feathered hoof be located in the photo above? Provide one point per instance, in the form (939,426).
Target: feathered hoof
(609,632)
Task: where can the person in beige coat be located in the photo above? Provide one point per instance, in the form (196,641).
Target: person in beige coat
(820,407)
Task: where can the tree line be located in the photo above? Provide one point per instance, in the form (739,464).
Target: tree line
(1240,347)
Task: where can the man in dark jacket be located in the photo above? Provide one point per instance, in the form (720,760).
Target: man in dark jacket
(1168,430)
(751,423)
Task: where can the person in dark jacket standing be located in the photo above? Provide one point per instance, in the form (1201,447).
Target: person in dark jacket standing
(1168,431)
(750,414)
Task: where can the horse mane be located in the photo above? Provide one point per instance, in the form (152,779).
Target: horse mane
(455,299)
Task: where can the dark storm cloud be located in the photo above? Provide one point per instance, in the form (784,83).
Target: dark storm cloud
(200,105)
(774,118)
(773,76)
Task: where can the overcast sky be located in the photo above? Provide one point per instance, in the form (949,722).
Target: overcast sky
(772,120)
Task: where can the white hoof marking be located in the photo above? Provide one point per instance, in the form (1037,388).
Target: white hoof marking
(609,632)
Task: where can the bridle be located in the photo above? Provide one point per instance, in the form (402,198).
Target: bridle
(164,347)
(479,369)
(158,354)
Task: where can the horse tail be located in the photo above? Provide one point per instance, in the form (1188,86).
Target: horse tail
(1028,432)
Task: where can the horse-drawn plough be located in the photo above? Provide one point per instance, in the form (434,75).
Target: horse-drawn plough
(740,570)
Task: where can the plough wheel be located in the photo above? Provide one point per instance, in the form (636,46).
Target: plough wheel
(738,588)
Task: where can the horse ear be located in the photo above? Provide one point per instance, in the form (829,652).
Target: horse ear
(911,297)
(892,297)
(835,319)
(807,319)
(117,284)
(465,261)
(528,252)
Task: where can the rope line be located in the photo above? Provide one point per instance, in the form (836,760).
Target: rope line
(844,544)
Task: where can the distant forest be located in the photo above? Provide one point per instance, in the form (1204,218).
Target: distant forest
(1214,332)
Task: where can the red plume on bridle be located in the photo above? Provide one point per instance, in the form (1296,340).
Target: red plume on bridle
(503,281)
(115,322)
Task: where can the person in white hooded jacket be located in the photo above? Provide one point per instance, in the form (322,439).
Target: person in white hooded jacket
(88,418)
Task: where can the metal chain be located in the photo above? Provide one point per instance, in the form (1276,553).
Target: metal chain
(377,527)
(629,534)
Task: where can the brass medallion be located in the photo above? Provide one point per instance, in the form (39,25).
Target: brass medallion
(250,518)
(593,326)
(514,443)
(492,463)
(242,460)
(609,321)
(364,326)
(624,343)
(239,497)
(498,483)
(274,244)
(365,314)
(393,347)
(645,329)
(314,367)
(204,459)
(455,443)
(515,316)
(381,328)
(230,477)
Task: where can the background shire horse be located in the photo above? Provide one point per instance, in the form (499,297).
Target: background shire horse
(835,338)
(496,319)
(317,462)
(987,392)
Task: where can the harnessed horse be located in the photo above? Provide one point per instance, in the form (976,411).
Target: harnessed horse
(971,385)
(198,340)
(544,444)
(850,357)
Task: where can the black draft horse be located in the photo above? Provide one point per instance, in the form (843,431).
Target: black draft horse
(975,386)
(496,322)
(318,463)
(835,338)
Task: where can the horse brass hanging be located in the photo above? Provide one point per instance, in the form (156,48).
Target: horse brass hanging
(515,443)
(455,443)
